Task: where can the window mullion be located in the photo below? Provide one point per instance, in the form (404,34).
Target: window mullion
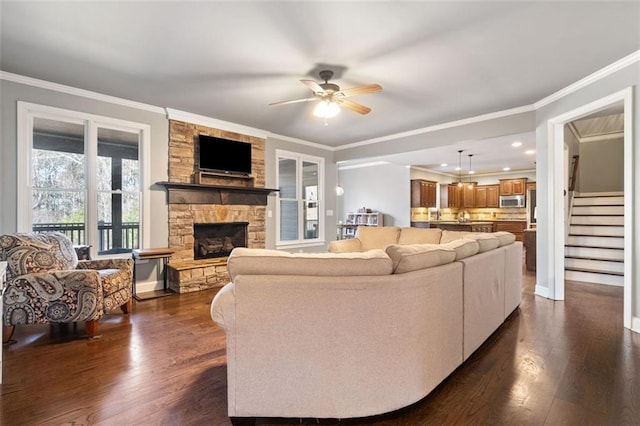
(91,202)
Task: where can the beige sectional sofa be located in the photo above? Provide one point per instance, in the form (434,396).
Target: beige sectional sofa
(363,332)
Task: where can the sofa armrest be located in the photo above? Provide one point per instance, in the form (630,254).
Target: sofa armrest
(57,296)
(344,246)
(126,264)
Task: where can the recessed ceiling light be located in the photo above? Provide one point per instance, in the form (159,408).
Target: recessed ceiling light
(530,152)
(458,168)
(471,172)
(516,144)
(443,165)
(506,169)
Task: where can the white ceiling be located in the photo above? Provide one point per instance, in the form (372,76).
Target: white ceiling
(438,61)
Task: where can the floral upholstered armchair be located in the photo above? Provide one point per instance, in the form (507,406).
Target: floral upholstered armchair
(47,283)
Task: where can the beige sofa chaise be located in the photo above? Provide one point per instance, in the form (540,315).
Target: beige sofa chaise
(353,334)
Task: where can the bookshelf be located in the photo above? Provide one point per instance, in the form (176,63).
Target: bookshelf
(348,229)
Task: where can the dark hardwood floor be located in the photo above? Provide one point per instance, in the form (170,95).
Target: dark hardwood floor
(551,363)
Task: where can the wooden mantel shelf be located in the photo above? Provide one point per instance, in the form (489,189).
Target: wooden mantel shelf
(195,193)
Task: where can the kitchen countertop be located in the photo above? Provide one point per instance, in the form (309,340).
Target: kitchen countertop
(471,221)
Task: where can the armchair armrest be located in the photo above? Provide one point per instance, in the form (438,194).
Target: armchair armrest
(57,296)
(126,264)
(342,246)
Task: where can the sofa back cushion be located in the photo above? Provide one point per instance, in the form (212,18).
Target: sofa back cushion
(407,258)
(486,241)
(248,261)
(464,247)
(420,236)
(373,237)
(28,253)
(504,238)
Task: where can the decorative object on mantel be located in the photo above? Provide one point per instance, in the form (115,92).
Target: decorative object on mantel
(194,193)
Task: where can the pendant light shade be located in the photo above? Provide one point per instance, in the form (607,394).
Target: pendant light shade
(470,172)
(459,168)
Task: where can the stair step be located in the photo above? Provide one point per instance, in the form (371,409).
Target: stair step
(590,265)
(597,220)
(594,253)
(591,277)
(598,194)
(588,241)
(603,231)
(598,210)
(598,201)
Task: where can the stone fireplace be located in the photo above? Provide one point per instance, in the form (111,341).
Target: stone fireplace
(220,201)
(213,240)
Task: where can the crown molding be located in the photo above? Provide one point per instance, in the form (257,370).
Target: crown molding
(301,142)
(362,165)
(592,78)
(202,120)
(29,81)
(437,127)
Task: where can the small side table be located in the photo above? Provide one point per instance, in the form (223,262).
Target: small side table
(163,253)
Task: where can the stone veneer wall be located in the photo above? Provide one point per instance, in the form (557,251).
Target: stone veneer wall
(186,274)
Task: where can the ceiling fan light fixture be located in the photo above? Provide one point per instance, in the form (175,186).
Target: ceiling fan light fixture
(326,109)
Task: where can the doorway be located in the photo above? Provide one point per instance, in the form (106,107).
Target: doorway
(558,210)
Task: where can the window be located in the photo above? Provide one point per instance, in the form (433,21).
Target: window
(299,209)
(82,175)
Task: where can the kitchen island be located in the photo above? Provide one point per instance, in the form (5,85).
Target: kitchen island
(450,225)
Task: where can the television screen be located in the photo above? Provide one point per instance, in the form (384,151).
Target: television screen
(224,155)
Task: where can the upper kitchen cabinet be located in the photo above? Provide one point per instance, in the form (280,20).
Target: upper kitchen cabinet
(513,186)
(423,193)
(450,196)
(487,196)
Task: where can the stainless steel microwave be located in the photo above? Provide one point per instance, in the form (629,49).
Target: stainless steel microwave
(512,201)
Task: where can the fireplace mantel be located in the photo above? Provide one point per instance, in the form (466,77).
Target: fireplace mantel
(195,193)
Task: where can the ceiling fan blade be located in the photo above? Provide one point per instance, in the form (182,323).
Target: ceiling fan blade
(361,90)
(354,106)
(295,101)
(313,86)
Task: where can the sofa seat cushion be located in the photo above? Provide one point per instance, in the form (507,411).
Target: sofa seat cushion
(504,238)
(464,247)
(407,258)
(372,237)
(248,261)
(420,236)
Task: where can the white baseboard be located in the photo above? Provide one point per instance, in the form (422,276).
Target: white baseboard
(542,291)
(142,287)
(635,324)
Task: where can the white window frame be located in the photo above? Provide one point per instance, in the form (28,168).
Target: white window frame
(26,112)
(300,241)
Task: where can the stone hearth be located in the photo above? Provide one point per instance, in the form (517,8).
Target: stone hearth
(186,273)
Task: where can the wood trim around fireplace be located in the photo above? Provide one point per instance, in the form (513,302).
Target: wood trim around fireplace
(194,193)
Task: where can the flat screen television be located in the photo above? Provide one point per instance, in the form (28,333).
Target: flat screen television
(224,155)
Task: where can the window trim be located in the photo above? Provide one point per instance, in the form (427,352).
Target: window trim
(300,158)
(26,112)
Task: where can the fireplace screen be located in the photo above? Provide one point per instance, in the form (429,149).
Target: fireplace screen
(218,239)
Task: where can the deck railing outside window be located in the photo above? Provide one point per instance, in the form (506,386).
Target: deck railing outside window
(75,232)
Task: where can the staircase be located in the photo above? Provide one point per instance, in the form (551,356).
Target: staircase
(594,249)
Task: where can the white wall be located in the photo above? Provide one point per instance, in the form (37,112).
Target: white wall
(384,188)
(601,166)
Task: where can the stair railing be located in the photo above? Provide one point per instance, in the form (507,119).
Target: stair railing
(573,177)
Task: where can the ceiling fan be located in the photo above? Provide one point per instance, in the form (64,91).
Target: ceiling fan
(332,97)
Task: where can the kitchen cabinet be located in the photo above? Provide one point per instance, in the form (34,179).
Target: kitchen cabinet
(513,186)
(493,196)
(487,196)
(423,193)
(516,227)
(449,196)
(468,196)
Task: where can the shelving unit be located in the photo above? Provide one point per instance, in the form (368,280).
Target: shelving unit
(348,229)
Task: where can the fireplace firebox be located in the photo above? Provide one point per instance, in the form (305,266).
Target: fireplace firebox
(213,240)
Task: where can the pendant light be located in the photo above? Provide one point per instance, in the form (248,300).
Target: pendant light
(459,168)
(470,172)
